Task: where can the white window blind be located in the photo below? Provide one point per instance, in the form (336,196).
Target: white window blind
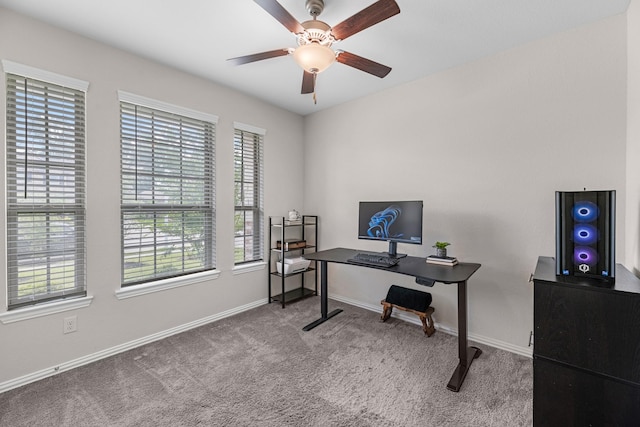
(45,191)
(167,190)
(248,194)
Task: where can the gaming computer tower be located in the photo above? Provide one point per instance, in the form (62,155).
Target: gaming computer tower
(585,234)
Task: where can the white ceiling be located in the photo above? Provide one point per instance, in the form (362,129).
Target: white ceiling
(427,36)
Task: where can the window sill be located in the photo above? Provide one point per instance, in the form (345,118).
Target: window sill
(163,285)
(249,267)
(44,309)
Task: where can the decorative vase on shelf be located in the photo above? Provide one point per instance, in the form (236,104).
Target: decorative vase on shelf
(294,215)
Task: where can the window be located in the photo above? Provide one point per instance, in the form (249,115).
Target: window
(167,190)
(248,194)
(45,186)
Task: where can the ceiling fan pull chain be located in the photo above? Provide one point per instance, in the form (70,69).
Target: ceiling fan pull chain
(315,102)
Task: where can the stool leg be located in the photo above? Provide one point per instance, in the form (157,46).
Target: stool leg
(428,326)
(424,323)
(386,312)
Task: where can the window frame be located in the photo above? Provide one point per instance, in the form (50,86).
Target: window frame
(62,100)
(207,208)
(247,135)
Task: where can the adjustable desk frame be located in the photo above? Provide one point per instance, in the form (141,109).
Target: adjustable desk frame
(425,274)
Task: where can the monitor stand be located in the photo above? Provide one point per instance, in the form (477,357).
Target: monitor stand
(393,253)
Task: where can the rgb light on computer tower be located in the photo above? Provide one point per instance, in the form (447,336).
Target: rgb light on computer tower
(585,234)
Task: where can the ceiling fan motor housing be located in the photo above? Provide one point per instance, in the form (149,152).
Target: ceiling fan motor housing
(315,31)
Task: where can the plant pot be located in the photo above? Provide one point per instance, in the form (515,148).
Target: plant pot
(441,252)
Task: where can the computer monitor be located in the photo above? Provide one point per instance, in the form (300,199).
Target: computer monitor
(393,222)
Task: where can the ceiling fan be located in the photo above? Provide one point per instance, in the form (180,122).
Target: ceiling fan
(314,53)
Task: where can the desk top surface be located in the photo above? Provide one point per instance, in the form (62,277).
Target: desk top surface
(409,265)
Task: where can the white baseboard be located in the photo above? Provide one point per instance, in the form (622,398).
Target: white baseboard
(523,351)
(85,360)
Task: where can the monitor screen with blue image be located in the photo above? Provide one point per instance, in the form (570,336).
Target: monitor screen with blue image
(391,221)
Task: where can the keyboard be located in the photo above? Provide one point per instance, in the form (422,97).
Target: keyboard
(374,260)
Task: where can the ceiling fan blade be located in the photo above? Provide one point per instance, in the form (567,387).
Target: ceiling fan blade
(308,82)
(377,12)
(276,10)
(258,56)
(363,64)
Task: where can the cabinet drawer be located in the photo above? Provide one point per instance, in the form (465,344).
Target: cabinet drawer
(564,396)
(593,329)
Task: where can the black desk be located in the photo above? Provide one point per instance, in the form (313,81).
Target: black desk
(425,274)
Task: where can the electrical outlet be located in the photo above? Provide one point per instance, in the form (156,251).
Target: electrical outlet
(70,324)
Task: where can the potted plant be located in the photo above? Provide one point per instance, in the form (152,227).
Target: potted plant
(441,248)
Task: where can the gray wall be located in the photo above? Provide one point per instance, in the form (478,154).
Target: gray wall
(633,137)
(38,344)
(485,145)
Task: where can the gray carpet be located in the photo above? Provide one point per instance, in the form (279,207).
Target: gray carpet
(259,368)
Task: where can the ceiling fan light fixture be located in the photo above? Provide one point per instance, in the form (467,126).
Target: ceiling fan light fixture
(314,57)
(315,38)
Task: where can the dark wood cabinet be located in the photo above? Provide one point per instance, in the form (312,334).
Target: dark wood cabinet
(586,349)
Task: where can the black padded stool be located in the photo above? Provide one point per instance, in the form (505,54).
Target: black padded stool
(410,300)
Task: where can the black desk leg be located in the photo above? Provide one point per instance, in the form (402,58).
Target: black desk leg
(324,300)
(465,354)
